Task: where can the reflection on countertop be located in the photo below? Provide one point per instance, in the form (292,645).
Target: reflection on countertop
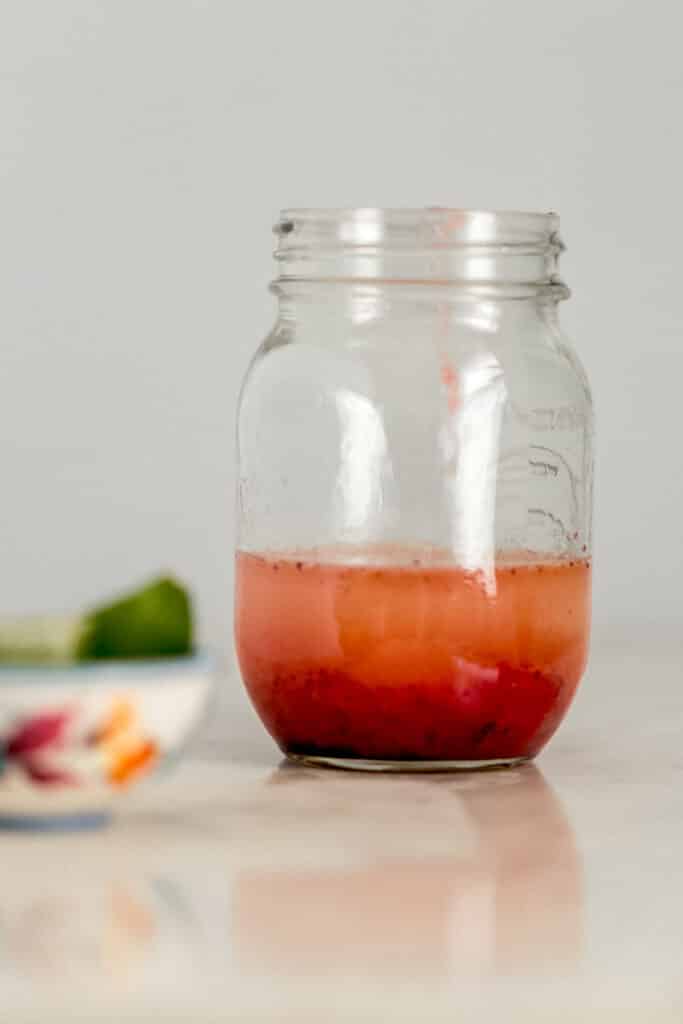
(484,899)
(240,889)
(292,878)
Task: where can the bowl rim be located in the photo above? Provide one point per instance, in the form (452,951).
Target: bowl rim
(145,670)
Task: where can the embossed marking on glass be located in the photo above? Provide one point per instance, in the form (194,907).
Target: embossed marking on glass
(413,560)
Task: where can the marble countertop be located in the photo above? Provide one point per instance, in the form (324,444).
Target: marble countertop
(243,889)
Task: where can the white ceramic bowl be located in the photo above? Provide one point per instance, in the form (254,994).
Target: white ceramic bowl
(73,737)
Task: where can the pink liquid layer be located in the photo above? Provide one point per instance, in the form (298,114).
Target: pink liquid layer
(412,661)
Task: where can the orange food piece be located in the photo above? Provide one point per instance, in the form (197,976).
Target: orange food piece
(132,762)
(121,717)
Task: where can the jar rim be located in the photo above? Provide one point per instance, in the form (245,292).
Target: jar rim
(437,225)
(483,248)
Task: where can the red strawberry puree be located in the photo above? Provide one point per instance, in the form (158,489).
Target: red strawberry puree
(411,658)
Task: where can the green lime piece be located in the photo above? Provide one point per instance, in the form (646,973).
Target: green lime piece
(155,621)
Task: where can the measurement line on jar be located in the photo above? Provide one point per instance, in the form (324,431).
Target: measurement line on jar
(546,468)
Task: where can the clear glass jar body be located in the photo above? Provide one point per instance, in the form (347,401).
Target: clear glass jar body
(415,485)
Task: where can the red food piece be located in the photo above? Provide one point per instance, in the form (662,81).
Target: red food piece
(37,732)
(42,773)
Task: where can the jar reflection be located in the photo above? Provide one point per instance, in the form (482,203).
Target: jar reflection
(498,904)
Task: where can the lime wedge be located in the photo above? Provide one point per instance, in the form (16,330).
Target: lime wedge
(155,621)
(152,622)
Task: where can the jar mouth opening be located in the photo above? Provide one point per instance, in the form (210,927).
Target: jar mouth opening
(442,227)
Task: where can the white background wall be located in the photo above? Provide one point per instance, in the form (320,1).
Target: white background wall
(146,147)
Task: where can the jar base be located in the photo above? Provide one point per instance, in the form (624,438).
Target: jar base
(360,764)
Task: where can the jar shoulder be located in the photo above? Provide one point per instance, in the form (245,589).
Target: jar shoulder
(533,366)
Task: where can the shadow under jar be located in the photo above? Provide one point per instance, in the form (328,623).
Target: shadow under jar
(415,478)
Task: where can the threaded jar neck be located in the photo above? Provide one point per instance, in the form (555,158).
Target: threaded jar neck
(475,249)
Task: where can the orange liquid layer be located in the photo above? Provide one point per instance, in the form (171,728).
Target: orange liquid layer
(416,660)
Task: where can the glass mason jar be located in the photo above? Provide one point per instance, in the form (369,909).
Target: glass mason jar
(415,481)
